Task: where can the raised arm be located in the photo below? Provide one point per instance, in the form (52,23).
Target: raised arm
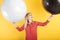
(17,27)
(42,23)
(46,22)
(20,28)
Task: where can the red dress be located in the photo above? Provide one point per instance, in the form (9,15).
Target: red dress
(31,29)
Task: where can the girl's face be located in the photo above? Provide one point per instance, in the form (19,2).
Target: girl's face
(29,17)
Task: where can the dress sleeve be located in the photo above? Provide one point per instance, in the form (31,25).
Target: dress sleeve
(20,29)
(42,24)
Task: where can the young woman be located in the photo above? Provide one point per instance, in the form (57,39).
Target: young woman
(31,26)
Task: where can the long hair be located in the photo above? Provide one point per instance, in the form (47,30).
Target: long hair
(27,20)
(27,16)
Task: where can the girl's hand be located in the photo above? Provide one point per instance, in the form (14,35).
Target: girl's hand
(50,17)
(14,23)
(25,24)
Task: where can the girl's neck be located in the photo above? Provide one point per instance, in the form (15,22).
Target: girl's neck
(30,21)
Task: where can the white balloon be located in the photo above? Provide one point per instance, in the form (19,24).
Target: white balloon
(13,10)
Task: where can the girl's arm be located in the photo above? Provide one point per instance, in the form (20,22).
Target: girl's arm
(22,28)
(17,27)
(46,22)
(42,23)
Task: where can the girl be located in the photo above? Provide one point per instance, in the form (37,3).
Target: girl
(31,26)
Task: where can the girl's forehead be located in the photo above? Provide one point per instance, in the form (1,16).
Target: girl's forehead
(30,14)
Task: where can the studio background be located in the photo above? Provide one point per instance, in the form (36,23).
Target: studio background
(49,32)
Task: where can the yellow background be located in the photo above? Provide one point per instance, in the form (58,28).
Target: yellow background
(49,32)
